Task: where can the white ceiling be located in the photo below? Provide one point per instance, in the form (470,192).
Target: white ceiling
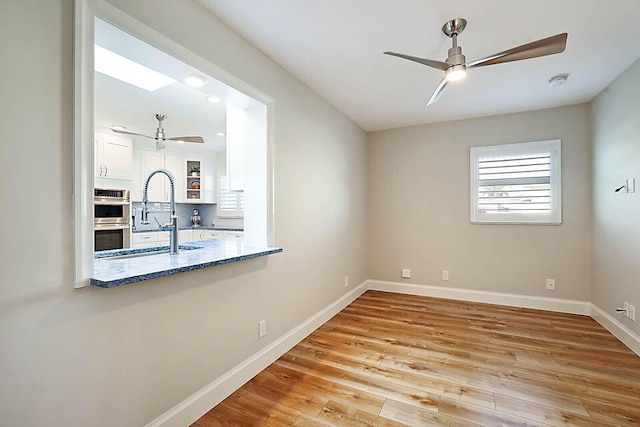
(188,112)
(335,47)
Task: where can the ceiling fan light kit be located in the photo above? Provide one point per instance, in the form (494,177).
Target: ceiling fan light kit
(455,66)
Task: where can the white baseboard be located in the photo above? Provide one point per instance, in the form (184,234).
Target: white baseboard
(192,408)
(611,324)
(512,300)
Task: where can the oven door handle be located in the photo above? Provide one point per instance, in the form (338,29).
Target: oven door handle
(111,202)
(110,227)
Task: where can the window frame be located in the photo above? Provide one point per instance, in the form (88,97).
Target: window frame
(553,217)
(83,147)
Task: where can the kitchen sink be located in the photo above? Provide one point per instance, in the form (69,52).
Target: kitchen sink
(135,253)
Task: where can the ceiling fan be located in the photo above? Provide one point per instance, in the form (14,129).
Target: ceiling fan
(160,136)
(455,66)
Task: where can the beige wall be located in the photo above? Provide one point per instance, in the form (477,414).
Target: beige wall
(419,208)
(615,118)
(121,357)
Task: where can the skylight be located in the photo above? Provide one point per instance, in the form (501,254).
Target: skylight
(128,71)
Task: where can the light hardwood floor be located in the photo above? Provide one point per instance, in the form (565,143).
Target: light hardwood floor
(391,360)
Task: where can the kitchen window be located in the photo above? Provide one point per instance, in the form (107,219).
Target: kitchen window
(516,183)
(230,203)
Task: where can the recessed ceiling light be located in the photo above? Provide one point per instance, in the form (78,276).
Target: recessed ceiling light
(558,80)
(128,71)
(220,133)
(212,99)
(118,127)
(194,80)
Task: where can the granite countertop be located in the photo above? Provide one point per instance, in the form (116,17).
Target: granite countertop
(202,227)
(113,272)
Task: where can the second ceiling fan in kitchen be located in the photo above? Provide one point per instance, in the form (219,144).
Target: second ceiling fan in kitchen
(160,137)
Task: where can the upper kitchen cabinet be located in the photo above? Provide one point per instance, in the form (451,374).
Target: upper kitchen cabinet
(200,184)
(159,190)
(112,157)
(180,165)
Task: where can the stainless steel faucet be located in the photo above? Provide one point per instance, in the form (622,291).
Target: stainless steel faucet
(171,226)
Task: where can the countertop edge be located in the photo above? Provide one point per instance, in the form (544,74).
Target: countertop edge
(181,269)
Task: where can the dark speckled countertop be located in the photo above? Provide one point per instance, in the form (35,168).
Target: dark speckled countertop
(113,272)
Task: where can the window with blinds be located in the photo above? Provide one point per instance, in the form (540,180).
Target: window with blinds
(516,183)
(230,203)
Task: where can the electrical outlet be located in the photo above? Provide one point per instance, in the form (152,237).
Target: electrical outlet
(346,281)
(445,274)
(632,312)
(626,309)
(262,328)
(406,273)
(551,284)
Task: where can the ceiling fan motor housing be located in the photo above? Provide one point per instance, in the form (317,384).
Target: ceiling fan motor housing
(455,56)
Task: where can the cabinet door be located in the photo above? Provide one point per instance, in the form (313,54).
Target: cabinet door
(136,176)
(150,162)
(116,157)
(233,233)
(185,236)
(174,165)
(97,155)
(212,234)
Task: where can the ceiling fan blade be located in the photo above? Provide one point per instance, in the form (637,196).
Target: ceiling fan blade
(438,65)
(197,139)
(549,46)
(131,133)
(438,92)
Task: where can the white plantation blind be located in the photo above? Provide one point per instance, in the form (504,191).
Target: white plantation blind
(516,183)
(230,203)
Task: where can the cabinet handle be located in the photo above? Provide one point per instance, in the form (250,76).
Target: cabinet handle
(105,170)
(100,170)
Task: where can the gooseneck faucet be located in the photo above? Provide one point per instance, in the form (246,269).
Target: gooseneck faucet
(171,226)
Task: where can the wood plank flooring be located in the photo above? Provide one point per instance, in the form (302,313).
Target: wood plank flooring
(399,360)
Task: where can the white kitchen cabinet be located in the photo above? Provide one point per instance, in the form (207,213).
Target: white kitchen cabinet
(150,239)
(233,234)
(212,235)
(145,162)
(150,162)
(205,179)
(173,164)
(112,157)
(186,236)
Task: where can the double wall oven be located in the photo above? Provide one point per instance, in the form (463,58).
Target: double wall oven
(111,222)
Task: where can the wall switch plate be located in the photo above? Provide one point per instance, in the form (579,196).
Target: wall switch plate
(445,274)
(632,312)
(551,284)
(631,185)
(262,328)
(406,273)
(346,281)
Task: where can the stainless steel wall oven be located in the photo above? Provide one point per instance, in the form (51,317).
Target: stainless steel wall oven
(112,217)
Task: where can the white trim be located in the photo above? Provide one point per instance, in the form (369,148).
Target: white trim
(617,329)
(192,408)
(82,191)
(511,300)
(83,146)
